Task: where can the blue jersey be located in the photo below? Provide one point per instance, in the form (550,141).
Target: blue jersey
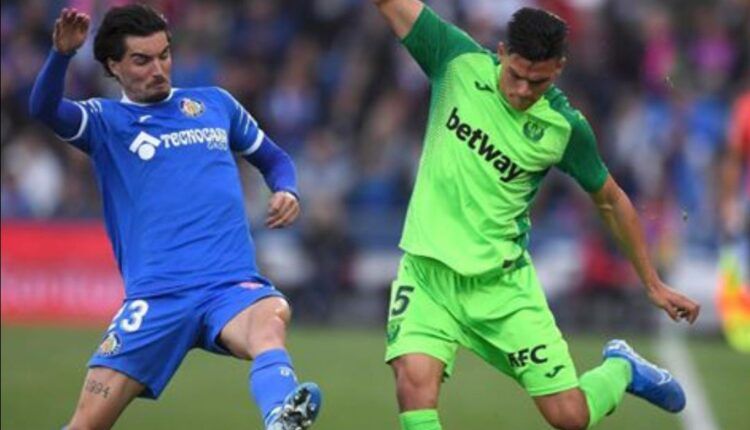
(173,203)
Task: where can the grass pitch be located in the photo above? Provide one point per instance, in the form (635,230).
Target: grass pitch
(43,369)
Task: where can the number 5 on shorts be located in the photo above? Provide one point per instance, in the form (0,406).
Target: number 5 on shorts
(401,300)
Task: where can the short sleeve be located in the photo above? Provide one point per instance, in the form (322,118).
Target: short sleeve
(433,42)
(245,136)
(581,158)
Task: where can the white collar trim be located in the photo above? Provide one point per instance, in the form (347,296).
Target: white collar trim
(125,99)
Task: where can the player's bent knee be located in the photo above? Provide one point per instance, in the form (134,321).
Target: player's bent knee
(268,327)
(415,394)
(264,310)
(568,420)
(566,410)
(283,310)
(272,330)
(258,328)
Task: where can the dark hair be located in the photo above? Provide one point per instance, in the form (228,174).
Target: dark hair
(120,22)
(537,35)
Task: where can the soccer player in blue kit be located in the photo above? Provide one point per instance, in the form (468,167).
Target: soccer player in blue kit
(174,213)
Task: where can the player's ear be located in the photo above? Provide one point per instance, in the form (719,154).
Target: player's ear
(114,68)
(501,51)
(560,65)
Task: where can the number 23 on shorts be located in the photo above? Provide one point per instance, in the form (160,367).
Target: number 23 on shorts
(136,311)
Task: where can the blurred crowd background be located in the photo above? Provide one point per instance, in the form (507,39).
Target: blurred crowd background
(328,81)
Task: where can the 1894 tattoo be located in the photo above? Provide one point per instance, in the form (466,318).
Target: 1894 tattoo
(96,387)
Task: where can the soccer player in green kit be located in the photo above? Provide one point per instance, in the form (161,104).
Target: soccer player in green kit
(496,126)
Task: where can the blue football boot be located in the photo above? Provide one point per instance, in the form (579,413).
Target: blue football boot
(649,382)
(299,410)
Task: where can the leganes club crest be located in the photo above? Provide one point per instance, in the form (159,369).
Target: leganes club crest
(533,130)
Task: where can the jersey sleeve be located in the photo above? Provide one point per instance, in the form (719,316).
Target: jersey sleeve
(245,136)
(66,118)
(434,42)
(581,158)
(92,129)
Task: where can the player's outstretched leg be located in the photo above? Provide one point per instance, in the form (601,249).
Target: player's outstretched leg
(649,382)
(259,333)
(299,410)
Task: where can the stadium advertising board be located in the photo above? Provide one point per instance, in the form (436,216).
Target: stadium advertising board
(61,272)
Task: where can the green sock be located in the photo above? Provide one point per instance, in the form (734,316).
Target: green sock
(604,387)
(423,419)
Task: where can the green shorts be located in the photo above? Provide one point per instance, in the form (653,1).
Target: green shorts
(503,318)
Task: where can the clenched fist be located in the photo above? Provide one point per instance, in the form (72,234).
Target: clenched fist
(678,306)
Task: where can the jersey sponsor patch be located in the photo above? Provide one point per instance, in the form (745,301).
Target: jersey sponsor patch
(478,141)
(144,144)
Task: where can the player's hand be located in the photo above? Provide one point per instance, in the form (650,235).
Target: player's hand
(283,209)
(70,31)
(678,306)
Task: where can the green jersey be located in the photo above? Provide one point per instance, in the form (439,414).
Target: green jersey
(483,161)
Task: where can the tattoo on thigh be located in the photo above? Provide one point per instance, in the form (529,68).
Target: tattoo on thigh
(98,388)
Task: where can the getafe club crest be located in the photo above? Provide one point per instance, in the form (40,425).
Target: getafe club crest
(533,130)
(192,108)
(111,345)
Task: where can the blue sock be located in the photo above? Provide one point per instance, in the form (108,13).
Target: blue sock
(271,379)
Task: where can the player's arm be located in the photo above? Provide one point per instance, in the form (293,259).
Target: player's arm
(622,219)
(277,168)
(280,175)
(430,40)
(582,161)
(400,14)
(46,102)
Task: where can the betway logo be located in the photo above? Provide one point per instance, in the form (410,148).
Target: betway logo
(478,141)
(145,144)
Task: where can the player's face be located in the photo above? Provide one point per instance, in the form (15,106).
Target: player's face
(523,81)
(144,71)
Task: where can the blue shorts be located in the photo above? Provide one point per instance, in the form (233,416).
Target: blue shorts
(149,337)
